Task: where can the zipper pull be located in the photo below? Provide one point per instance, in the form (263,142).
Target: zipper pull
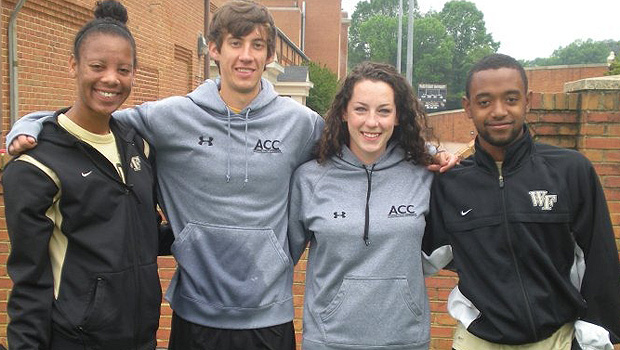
(501,181)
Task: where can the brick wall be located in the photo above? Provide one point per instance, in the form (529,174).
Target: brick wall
(452,126)
(287,16)
(588,121)
(326,38)
(552,78)
(46,29)
(323,45)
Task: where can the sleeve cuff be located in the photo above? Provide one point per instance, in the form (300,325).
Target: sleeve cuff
(592,337)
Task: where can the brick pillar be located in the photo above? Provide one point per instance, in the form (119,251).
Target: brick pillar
(599,138)
(586,117)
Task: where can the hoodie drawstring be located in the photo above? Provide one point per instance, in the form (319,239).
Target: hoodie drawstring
(245,149)
(228,148)
(367,214)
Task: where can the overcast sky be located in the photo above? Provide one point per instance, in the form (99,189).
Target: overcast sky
(528,29)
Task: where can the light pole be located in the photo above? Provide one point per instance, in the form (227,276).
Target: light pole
(409,74)
(399,47)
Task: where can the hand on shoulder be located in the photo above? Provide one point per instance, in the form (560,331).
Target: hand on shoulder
(21,144)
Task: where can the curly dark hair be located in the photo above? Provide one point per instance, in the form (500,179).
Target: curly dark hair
(412,120)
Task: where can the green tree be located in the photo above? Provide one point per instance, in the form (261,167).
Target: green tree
(359,49)
(614,68)
(578,52)
(433,50)
(325,87)
(445,44)
(465,24)
(379,33)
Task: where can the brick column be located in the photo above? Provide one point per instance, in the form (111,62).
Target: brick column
(586,117)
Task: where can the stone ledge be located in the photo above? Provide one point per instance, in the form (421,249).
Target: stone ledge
(611,82)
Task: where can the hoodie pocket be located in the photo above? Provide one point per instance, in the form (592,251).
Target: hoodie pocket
(370,311)
(232,266)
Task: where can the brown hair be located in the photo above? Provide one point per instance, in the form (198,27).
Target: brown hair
(239,18)
(411,117)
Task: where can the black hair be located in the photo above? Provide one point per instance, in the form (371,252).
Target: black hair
(495,61)
(110,18)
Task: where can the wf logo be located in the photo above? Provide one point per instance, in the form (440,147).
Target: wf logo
(341,214)
(543,200)
(135,164)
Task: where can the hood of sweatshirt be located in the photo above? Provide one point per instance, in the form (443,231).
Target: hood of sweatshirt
(391,157)
(207,96)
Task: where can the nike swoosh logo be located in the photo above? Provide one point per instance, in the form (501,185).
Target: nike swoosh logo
(86,174)
(465,212)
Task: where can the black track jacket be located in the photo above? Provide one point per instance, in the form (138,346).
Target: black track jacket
(534,249)
(109,294)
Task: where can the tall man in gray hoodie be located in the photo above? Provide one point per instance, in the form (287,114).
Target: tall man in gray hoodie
(225,155)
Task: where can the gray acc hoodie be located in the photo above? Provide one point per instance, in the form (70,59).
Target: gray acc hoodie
(224,183)
(364,283)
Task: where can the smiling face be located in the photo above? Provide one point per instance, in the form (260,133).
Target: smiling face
(371,118)
(241,61)
(104,75)
(497,105)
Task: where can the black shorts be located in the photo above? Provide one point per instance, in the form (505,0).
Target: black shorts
(185,335)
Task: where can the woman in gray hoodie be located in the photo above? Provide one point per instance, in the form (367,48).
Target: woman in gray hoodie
(362,206)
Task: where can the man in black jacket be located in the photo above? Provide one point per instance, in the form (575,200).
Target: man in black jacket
(529,229)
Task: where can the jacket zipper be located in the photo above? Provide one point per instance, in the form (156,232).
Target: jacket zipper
(515,260)
(134,244)
(367,213)
(128,189)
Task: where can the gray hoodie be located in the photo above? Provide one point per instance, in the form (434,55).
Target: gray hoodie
(223,186)
(364,283)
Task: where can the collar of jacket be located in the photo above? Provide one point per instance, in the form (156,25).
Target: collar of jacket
(515,153)
(61,136)
(392,156)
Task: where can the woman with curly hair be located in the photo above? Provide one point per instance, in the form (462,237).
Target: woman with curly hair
(362,204)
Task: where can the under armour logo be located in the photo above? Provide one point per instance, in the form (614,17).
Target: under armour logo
(341,214)
(543,200)
(208,141)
